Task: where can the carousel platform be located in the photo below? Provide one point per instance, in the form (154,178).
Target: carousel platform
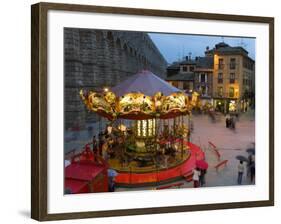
(161,176)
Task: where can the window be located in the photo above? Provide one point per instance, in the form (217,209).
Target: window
(232,78)
(184,68)
(220,91)
(220,78)
(220,63)
(231,92)
(203,78)
(191,68)
(232,64)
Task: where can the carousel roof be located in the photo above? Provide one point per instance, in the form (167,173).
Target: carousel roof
(142,96)
(144,82)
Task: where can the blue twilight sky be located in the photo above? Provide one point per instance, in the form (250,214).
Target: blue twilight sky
(174,46)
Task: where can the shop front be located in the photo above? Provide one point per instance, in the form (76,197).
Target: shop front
(226,105)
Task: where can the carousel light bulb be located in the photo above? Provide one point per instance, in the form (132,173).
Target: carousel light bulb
(105,89)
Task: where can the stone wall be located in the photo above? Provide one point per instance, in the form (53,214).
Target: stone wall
(101,58)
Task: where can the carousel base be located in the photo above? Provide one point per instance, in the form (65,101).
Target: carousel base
(161,176)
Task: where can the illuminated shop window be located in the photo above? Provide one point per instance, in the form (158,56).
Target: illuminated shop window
(232,106)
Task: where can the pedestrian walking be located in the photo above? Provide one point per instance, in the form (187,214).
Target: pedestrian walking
(196,175)
(95,144)
(202,178)
(240,172)
(249,164)
(252,169)
(111,184)
(233,122)
(227,121)
(111,179)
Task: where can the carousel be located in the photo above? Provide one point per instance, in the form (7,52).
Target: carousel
(146,139)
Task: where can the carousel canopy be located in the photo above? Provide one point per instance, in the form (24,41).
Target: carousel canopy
(144,82)
(142,96)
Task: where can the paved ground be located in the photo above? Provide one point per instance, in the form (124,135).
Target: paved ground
(229,143)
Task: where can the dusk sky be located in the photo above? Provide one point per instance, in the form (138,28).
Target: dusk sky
(174,46)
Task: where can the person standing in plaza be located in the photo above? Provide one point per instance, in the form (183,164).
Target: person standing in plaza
(111,184)
(196,176)
(95,144)
(252,168)
(233,122)
(202,179)
(240,172)
(227,120)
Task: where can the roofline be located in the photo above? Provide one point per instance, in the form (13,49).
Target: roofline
(187,63)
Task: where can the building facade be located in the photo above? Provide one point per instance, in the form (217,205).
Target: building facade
(225,77)
(95,59)
(192,75)
(233,78)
